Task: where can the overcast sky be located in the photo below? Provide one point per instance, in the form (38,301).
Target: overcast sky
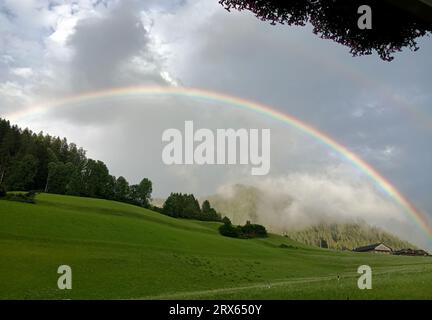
(379,110)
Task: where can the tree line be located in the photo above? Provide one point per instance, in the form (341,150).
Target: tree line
(40,162)
(249,230)
(43,163)
(179,205)
(30,161)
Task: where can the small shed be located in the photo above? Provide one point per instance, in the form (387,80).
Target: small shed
(375,248)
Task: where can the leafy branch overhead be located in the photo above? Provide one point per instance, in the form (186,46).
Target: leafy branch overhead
(394,27)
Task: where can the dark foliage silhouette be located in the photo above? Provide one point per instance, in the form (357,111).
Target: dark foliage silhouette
(393,28)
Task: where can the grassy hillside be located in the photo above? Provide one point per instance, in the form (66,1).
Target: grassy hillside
(122,251)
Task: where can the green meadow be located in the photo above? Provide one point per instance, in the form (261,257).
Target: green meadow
(120,251)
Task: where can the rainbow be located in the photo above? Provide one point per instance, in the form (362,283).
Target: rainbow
(420,218)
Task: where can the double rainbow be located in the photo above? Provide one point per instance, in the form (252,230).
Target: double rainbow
(420,218)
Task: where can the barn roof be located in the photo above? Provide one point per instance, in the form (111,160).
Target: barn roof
(370,247)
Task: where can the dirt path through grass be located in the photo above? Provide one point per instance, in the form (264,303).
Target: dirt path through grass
(281,283)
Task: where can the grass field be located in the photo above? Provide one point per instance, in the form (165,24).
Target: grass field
(119,251)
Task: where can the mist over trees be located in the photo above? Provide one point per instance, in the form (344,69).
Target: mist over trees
(346,236)
(393,26)
(30,161)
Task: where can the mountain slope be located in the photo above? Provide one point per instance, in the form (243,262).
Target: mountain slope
(347,236)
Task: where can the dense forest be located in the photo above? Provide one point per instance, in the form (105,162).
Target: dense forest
(30,161)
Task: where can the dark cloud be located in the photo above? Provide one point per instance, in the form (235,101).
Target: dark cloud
(103,47)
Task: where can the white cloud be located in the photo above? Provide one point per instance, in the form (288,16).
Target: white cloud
(22,72)
(385,156)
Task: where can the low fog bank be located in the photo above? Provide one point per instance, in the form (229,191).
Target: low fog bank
(299,200)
